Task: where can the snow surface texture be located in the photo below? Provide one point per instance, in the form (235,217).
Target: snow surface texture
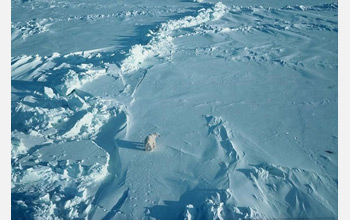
(244,96)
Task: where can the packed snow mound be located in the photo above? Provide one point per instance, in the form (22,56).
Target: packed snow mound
(215,208)
(161,45)
(54,105)
(32,27)
(57,169)
(58,181)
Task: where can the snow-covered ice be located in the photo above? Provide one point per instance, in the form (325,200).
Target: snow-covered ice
(244,95)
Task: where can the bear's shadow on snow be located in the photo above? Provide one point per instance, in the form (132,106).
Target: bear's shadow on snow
(133,145)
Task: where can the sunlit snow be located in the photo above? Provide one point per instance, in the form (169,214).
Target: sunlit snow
(244,95)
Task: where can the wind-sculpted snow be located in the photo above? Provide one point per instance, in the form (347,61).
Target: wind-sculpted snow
(276,191)
(288,23)
(217,127)
(56,170)
(57,106)
(54,182)
(30,28)
(216,207)
(161,45)
(244,98)
(296,191)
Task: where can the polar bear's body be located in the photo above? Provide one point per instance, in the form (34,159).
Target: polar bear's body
(150,141)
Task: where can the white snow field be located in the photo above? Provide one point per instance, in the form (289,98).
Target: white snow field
(244,95)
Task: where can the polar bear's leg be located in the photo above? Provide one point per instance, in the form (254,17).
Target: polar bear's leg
(148,147)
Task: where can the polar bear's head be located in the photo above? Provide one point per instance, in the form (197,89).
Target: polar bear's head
(155,135)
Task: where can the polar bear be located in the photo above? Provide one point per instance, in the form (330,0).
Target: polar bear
(150,141)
